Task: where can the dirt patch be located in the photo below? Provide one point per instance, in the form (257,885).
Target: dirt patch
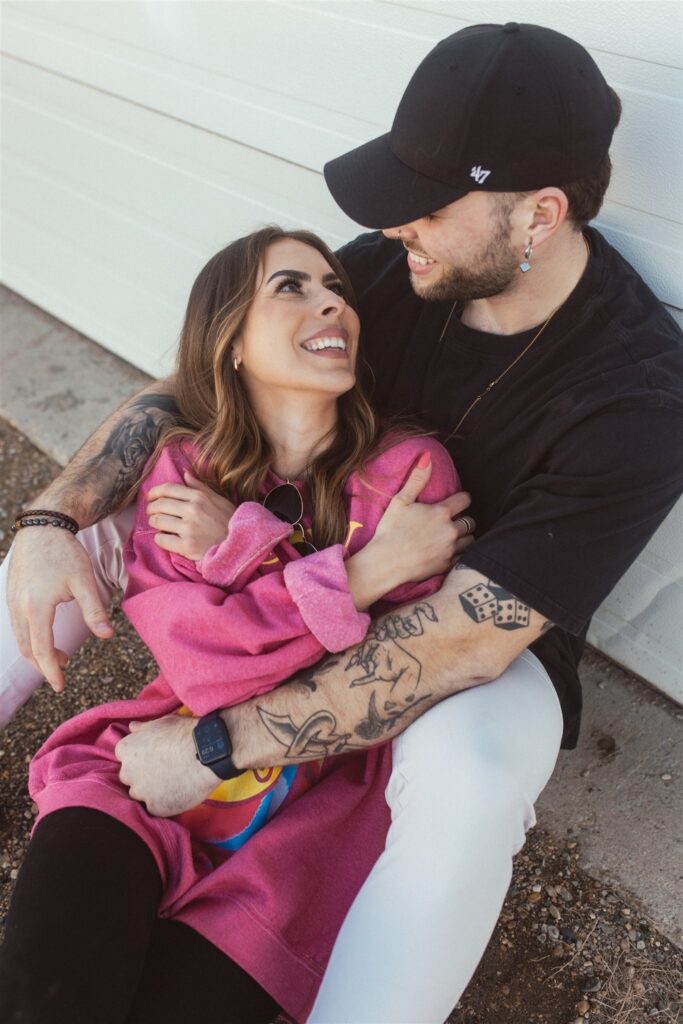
(565,948)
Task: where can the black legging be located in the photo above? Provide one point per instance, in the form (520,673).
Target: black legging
(83,944)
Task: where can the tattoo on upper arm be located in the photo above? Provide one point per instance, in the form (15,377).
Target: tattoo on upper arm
(489,601)
(393,678)
(130,444)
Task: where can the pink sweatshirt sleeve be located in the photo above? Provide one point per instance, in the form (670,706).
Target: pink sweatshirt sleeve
(252,535)
(216,648)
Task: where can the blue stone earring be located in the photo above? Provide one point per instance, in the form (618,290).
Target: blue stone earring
(526,264)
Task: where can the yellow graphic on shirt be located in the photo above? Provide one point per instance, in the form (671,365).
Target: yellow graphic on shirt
(246,786)
(353,526)
(299,535)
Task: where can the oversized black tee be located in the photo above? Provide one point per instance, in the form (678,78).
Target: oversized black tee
(573,459)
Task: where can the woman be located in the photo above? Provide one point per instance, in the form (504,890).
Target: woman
(122,917)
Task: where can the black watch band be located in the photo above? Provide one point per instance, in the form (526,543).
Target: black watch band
(213,746)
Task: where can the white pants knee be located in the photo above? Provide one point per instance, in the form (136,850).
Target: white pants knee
(104,543)
(465,779)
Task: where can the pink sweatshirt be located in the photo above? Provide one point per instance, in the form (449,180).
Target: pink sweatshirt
(235,624)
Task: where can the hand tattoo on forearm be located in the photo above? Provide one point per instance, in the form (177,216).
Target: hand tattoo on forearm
(384,660)
(391,673)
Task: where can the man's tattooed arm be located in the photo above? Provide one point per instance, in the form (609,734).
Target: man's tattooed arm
(130,443)
(487,601)
(392,676)
(463,636)
(410,660)
(103,472)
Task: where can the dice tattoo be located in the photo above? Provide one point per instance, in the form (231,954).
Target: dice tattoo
(489,601)
(511,614)
(479,602)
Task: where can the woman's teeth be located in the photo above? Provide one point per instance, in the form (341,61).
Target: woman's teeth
(317,343)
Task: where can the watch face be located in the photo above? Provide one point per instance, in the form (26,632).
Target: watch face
(211,741)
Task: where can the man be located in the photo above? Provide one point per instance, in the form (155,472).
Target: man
(552,374)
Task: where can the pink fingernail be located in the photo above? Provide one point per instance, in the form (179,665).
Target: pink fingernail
(424,460)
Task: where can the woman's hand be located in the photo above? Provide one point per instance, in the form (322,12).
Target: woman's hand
(413,541)
(190,519)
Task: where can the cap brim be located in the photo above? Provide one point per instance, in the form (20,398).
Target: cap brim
(377,190)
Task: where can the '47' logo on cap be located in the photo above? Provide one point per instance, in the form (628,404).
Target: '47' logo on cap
(479,175)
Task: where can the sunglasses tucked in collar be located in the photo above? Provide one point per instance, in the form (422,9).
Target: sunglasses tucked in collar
(285,502)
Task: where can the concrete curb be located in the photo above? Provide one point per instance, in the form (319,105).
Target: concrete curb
(56,386)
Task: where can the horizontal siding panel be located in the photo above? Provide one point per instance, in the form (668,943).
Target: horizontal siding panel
(244,42)
(647,152)
(61,277)
(651,30)
(229,73)
(165,172)
(109,213)
(72,39)
(119,244)
(640,623)
(649,243)
(232,54)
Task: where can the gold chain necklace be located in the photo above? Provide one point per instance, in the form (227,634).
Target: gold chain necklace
(489,387)
(497,380)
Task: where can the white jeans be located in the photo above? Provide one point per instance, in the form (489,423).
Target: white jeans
(465,779)
(462,792)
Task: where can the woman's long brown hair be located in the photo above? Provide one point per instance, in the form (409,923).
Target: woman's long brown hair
(234,453)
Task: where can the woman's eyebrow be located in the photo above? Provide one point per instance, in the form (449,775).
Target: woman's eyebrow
(299,275)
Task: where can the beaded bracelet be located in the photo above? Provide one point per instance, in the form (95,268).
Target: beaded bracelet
(45,517)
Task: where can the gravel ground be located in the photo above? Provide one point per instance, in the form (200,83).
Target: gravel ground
(565,950)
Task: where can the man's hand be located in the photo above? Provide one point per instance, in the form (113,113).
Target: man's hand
(48,567)
(160,767)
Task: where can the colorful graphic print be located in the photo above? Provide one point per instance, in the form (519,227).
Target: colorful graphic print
(239,807)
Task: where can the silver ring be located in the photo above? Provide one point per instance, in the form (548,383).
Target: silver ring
(467,524)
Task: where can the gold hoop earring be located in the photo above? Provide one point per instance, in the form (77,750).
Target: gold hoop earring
(235,364)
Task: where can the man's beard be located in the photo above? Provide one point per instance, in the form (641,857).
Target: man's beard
(489,274)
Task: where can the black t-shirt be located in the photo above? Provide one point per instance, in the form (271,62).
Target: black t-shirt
(573,459)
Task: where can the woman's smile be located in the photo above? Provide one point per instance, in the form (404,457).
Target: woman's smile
(331,343)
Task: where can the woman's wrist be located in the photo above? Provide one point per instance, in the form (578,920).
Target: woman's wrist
(370,575)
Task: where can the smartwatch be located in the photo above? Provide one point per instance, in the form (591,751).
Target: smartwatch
(213,746)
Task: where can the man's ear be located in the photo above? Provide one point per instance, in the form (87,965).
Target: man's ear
(548,213)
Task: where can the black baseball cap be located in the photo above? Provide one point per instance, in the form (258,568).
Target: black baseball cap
(492,108)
